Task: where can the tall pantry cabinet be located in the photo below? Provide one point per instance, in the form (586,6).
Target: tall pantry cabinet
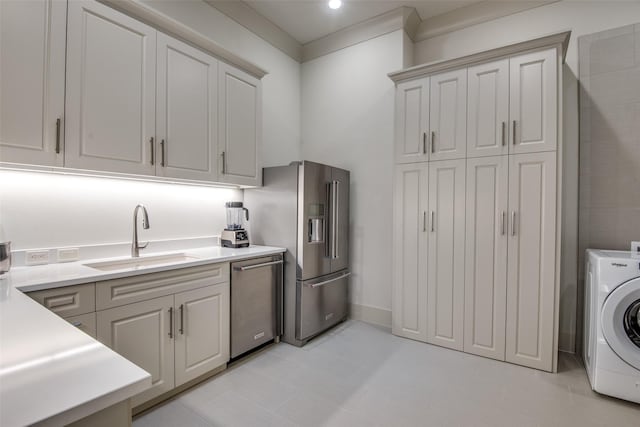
(476,212)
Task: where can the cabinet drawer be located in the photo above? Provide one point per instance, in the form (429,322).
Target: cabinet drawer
(85,322)
(69,300)
(117,292)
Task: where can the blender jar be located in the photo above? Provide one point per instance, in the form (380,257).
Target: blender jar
(235,214)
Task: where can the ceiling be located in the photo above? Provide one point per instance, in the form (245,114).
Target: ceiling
(308,20)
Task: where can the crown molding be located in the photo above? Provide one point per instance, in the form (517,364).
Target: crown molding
(175,28)
(473,14)
(246,16)
(558,40)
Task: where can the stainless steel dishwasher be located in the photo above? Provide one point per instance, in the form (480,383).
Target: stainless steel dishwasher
(256,303)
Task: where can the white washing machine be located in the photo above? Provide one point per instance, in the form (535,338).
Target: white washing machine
(612,323)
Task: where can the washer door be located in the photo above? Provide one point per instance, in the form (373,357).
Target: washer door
(621,321)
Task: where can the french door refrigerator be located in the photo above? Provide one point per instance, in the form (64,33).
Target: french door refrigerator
(304,207)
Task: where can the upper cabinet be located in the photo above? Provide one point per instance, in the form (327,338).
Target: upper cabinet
(488,109)
(186,122)
(32,44)
(240,106)
(534,101)
(111,85)
(412,121)
(448,112)
(137,101)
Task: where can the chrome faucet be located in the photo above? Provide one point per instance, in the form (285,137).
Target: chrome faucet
(135,246)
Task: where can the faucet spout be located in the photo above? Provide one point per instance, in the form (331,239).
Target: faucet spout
(135,246)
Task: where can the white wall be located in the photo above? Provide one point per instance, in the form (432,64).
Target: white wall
(43,210)
(281,87)
(347,121)
(581,18)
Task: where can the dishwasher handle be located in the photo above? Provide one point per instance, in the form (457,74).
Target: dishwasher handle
(252,266)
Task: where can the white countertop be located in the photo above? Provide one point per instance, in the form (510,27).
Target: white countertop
(49,368)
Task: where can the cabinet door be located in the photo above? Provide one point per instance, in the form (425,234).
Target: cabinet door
(533,102)
(187,118)
(448,138)
(488,109)
(412,121)
(32,45)
(240,107)
(445,287)
(486,256)
(143,333)
(410,251)
(532,258)
(202,331)
(110,105)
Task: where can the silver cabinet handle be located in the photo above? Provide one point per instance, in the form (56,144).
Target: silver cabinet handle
(433,142)
(433,220)
(514,133)
(424,143)
(503,134)
(424,221)
(336,218)
(162,153)
(170,322)
(224,162)
(181,319)
(58,136)
(326,282)
(502,223)
(513,223)
(153,151)
(251,267)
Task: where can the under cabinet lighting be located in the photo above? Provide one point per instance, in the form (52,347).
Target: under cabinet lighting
(335,4)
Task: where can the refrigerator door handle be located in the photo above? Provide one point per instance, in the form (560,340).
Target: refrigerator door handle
(326,282)
(335,222)
(328,230)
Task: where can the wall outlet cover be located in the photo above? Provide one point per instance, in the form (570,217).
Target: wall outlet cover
(68,254)
(36,257)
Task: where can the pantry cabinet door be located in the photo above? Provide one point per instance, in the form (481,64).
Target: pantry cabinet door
(448,137)
(531,266)
(445,286)
(187,118)
(32,46)
(486,256)
(488,109)
(410,251)
(202,331)
(534,102)
(111,83)
(142,333)
(412,121)
(240,108)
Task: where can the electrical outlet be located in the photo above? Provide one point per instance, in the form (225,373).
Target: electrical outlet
(37,257)
(68,254)
(635,248)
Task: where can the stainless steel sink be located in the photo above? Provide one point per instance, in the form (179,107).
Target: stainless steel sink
(142,262)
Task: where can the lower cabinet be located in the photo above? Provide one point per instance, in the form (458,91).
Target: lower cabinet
(175,338)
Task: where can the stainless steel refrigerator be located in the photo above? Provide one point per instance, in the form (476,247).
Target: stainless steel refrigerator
(304,207)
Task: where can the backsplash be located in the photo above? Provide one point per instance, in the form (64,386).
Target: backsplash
(44,210)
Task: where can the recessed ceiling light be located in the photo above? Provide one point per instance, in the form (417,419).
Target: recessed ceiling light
(335,4)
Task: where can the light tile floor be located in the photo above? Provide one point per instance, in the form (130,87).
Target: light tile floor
(361,375)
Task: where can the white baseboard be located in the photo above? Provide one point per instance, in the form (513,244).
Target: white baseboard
(368,314)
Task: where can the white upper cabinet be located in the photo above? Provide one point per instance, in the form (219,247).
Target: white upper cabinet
(488,109)
(32,44)
(410,232)
(240,109)
(445,286)
(486,256)
(187,120)
(534,102)
(111,74)
(531,266)
(412,121)
(448,112)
